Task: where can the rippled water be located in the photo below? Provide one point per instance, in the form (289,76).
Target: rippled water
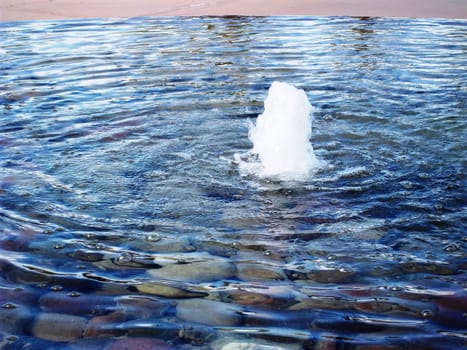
(125,220)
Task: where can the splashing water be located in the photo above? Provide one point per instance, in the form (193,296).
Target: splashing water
(281,136)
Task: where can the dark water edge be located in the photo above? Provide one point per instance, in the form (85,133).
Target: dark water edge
(126,223)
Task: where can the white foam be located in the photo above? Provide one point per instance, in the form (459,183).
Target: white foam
(281,136)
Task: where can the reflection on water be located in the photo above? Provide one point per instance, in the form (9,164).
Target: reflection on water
(125,222)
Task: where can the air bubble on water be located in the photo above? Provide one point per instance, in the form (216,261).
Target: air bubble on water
(74,294)
(124,258)
(395,289)
(56,288)
(407,185)
(267,253)
(424,175)
(9,306)
(345,269)
(12,338)
(426,313)
(153,238)
(451,248)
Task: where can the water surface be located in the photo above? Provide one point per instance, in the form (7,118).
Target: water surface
(124,216)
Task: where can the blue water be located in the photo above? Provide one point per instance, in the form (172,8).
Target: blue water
(117,144)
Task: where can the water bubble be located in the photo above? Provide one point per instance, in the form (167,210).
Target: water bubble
(153,238)
(426,313)
(267,253)
(395,289)
(9,306)
(56,288)
(59,246)
(402,157)
(12,338)
(407,185)
(345,269)
(74,294)
(451,248)
(124,258)
(145,227)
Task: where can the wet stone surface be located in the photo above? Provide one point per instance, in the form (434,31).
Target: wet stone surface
(139,344)
(76,303)
(209,312)
(203,271)
(58,327)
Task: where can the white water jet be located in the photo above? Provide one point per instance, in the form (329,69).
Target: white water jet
(281,136)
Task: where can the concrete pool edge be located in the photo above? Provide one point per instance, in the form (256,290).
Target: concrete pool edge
(12,10)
